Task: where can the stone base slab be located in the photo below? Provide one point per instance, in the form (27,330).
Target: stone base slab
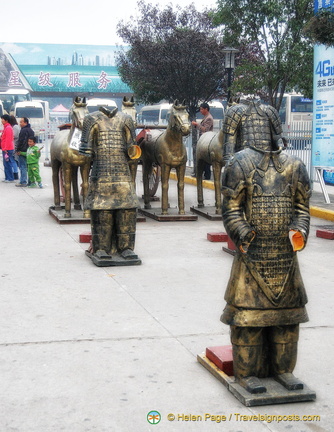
(275,394)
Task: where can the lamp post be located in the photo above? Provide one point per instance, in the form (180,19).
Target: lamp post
(229,66)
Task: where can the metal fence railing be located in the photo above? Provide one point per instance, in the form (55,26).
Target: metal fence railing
(299,137)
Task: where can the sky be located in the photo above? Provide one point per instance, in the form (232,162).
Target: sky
(73,21)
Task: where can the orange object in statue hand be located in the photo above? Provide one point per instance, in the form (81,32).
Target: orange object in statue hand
(297,240)
(134,152)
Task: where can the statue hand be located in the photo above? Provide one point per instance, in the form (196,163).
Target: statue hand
(246,241)
(134,152)
(297,240)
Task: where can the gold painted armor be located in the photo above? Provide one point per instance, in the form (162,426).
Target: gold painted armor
(109,137)
(250,124)
(266,194)
(266,200)
(104,137)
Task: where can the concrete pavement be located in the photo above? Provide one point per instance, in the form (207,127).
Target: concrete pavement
(84,348)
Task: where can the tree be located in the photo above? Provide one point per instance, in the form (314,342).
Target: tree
(279,57)
(173,54)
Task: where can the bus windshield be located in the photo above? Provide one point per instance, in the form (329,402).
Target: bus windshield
(150,116)
(29,112)
(10,99)
(301,104)
(292,105)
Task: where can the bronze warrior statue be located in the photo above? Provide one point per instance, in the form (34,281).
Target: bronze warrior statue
(250,123)
(109,137)
(266,213)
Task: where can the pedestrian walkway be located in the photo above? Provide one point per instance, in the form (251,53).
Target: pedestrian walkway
(84,348)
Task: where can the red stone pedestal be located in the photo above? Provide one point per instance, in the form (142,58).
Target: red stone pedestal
(217,237)
(231,248)
(222,357)
(85,237)
(325,233)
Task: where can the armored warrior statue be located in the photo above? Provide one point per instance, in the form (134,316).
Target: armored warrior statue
(250,123)
(266,214)
(109,137)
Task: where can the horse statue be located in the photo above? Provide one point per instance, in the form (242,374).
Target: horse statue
(166,149)
(210,150)
(128,107)
(65,155)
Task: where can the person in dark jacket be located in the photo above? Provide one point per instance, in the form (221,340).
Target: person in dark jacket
(25,133)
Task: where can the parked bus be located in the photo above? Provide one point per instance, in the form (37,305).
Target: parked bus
(11,96)
(96,103)
(156,115)
(295,108)
(34,111)
(296,114)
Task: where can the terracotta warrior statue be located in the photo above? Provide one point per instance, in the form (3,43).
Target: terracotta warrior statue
(109,137)
(250,123)
(266,213)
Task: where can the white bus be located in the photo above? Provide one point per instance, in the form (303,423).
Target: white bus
(154,115)
(34,111)
(296,114)
(11,96)
(95,103)
(295,108)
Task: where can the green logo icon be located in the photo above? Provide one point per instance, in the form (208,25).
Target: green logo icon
(153,417)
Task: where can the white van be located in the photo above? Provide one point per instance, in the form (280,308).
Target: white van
(96,103)
(217,111)
(34,111)
(156,115)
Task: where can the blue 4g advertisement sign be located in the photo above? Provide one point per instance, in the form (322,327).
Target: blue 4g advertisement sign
(318,4)
(323,112)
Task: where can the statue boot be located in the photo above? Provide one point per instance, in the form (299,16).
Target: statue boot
(101,224)
(126,244)
(247,361)
(284,357)
(249,357)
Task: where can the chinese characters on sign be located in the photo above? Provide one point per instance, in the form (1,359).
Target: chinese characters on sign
(44,80)
(103,81)
(323,110)
(14,79)
(74,80)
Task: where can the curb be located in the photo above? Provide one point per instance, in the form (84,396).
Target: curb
(208,184)
(322,213)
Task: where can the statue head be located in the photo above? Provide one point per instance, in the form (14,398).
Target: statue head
(179,118)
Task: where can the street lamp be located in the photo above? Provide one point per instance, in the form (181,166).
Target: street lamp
(229,65)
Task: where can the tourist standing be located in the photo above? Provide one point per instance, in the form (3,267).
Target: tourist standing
(25,133)
(206,125)
(16,132)
(7,147)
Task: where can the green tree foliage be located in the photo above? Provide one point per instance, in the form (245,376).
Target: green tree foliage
(320,28)
(174,54)
(277,57)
